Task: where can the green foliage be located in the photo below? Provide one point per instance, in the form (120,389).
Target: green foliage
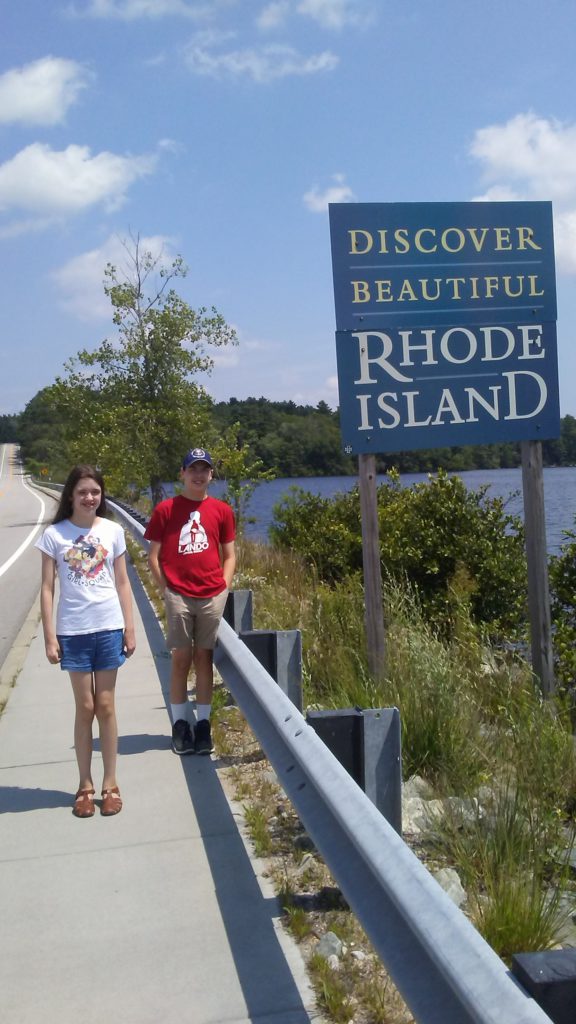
(332,993)
(472,724)
(9,429)
(562,574)
(291,440)
(296,440)
(258,828)
(42,439)
(324,531)
(504,856)
(131,405)
(240,469)
(432,534)
(431,683)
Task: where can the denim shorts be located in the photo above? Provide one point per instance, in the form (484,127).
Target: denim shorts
(92,652)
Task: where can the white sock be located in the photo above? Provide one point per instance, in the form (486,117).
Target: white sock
(203,711)
(179,711)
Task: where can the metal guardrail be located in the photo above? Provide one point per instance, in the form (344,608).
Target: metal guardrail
(445,971)
(443,968)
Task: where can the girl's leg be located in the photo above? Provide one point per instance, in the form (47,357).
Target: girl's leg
(104,686)
(82,686)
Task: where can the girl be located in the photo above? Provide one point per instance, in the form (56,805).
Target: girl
(94,627)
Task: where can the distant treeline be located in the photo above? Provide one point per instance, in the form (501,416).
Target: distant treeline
(304,440)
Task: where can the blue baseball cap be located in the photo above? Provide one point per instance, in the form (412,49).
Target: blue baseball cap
(196,455)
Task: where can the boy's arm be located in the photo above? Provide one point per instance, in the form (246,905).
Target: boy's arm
(228,562)
(155,567)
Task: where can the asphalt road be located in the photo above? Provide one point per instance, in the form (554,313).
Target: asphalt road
(22,514)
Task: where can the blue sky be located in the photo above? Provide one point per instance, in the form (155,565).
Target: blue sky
(220,130)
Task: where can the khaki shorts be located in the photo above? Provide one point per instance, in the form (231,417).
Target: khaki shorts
(193,621)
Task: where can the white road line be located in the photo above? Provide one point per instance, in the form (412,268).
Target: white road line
(4,568)
(4,450)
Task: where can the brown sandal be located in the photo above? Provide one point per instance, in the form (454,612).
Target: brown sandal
(84,803)
(111,801)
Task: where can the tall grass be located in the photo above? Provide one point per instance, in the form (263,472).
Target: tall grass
(473,723)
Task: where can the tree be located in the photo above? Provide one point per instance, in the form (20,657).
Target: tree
(241,470)
(42,438)
(8,428)
(132,405)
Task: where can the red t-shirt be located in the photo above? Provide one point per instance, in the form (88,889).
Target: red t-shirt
(190,533)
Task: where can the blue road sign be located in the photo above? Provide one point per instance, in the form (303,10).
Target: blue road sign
(445,319)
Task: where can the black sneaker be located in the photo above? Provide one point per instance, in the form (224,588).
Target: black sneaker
(182,738)
(203,738)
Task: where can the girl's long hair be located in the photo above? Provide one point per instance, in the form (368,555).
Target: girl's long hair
(64,510)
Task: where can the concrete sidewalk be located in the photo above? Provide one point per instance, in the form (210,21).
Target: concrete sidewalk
(156,916)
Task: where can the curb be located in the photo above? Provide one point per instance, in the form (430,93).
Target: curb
(12,664)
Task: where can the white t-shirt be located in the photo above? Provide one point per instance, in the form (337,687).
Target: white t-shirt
(85,565)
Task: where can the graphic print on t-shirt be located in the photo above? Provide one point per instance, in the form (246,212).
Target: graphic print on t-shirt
(85,558)
(193,537)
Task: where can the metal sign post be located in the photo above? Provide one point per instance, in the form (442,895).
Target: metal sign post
(537,561)
(373,611)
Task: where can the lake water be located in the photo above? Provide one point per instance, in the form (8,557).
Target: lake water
(559,496)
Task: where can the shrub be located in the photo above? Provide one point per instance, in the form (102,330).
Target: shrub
(435,535)
(562,573)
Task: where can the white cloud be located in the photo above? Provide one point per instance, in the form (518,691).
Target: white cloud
(130,10)
(499,194)
(41,92)
(273,16)
(565,241)
(229,357)
(262,65)
(536,154)
(28,226)
(331,14)
(53,182)
(336,14)
(328,14)
(317,200)
(81,280)
(533,158)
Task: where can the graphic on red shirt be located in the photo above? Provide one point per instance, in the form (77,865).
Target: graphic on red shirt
(193,537)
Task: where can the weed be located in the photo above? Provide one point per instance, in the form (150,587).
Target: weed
(298,922)
(258,828)
(331,989)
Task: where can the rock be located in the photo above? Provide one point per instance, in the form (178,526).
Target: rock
(307,861)
(420,815)
(333,962)
(417,786)
(449,879)
(466,812)
(303,842)
(567,931)
(329,945)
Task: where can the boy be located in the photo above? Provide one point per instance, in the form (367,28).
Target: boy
(187,534)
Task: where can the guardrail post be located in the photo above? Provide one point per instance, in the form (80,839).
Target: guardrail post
(383,762)
(238,610)
(279,651)
(367,743)
(550,977)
